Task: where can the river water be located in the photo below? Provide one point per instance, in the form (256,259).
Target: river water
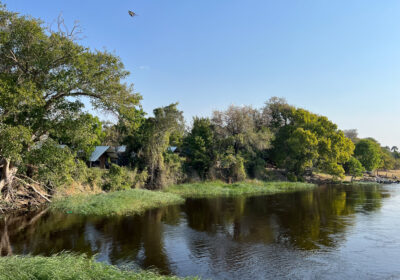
(331,232)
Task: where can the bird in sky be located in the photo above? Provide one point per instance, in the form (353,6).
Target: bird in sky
(132,14)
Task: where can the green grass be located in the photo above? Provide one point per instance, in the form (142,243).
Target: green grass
(217,188)
(68,267)
(137,201)
(115,203)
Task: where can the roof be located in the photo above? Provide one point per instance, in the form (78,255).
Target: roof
(172,148)
(120,149)
(98,151)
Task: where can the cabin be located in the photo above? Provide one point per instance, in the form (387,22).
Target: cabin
(103,156)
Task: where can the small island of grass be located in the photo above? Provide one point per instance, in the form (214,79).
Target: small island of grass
(115,203)
(218,188)
(68,266)
(136,201)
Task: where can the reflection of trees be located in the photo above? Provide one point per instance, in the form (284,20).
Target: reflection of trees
(5,245)
(18,223)
(307,220)
(115,240)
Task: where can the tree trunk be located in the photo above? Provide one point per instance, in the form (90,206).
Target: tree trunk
(8,172)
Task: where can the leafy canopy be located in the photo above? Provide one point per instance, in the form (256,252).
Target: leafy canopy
(306,141)
(368,152)
(44,74)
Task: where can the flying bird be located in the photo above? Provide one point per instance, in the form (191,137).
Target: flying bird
(132,14)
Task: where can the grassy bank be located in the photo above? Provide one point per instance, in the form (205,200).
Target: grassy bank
(137,201)
(212,189)
(115,203)
(67,266)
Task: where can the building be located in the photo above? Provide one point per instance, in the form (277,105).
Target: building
(103,156)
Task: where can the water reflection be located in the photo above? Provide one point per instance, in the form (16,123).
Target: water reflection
(221,233)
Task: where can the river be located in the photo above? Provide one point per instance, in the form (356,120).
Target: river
(331,232)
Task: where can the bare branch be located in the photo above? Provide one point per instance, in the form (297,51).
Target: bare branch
(33,188)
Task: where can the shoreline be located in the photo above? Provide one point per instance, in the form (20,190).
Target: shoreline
(137,201)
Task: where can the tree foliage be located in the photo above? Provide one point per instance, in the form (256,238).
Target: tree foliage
(43,73)
(198,147)
(306,141)
(368,152)
(242,140)
(354,167)
(151,142)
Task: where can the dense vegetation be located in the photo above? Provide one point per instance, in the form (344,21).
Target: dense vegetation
(67,266)
(47,137)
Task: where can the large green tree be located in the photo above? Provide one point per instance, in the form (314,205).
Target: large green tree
(81,132)
(369,153)
(306,141)
(241,141)
(198,147)
(354,168)
(388,160)
(151,143)
(42,74)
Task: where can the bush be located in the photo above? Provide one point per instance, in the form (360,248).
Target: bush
(54,166)
(121,178)
(94,177)
(118,178)
(173,164)
(257,169)
(354,167)
(140,178)
(292,177)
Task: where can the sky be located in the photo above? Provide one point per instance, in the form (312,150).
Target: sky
(336,58)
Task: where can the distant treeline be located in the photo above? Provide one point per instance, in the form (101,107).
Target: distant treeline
(241,142)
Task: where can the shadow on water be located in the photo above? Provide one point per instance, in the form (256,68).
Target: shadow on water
(219,228)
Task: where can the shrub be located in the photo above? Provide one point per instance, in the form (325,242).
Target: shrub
(118,178)
(173,168)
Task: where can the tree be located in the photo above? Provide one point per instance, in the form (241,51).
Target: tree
(394,149)
(368,152)
(352,134)
(387,159)
(81,132)
(14,141)
(276,113)
(354,168)
(241,134)
(42,73)
(308,141)
(152,140)
(198,147)
(115,134)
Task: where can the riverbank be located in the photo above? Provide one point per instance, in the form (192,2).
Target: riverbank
(115,203)
(253,187)
(137,201)
(68,266)
(378,178)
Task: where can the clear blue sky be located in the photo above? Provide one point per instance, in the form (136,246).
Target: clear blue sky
(337,58)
